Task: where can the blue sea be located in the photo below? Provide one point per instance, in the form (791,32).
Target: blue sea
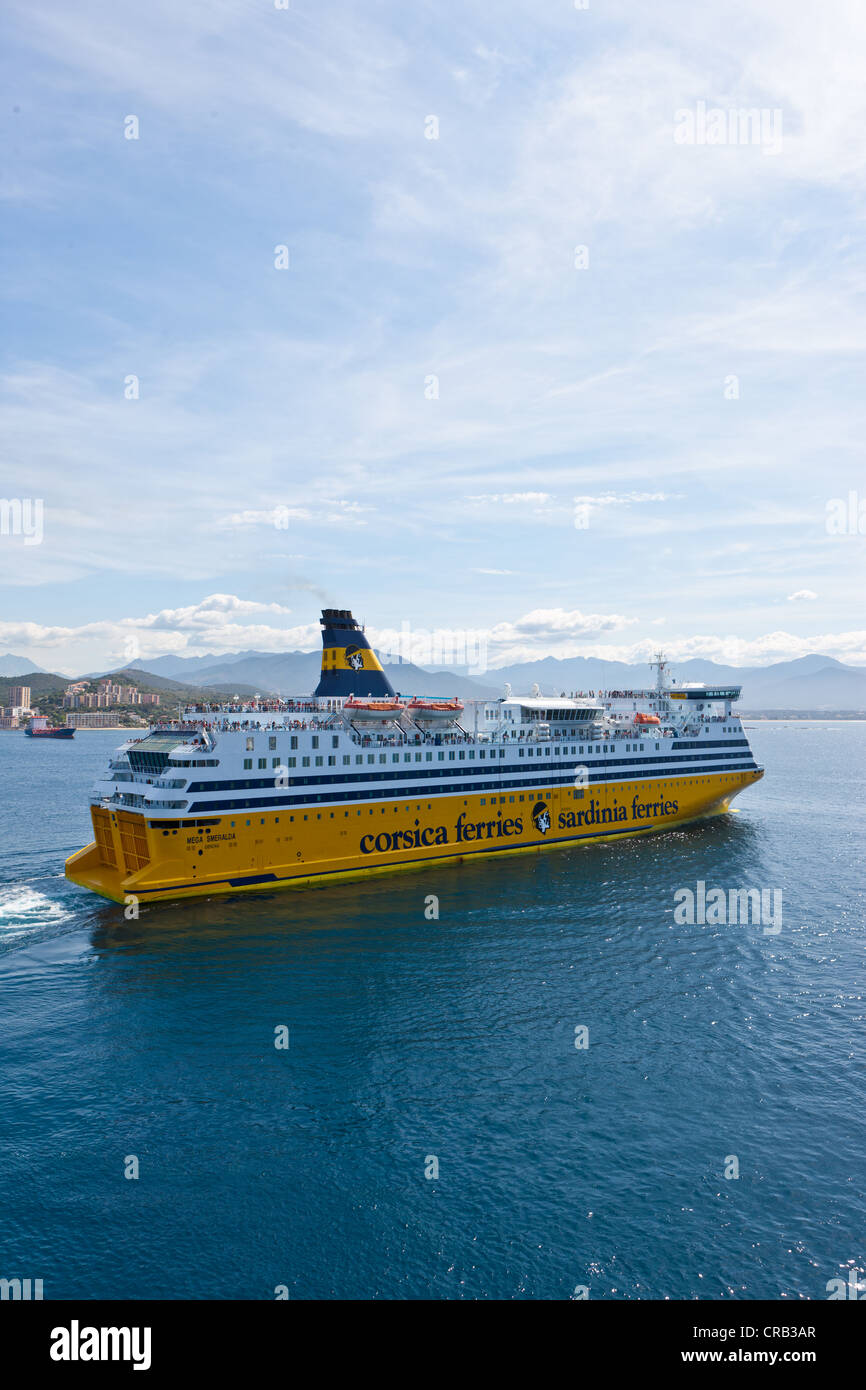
(432,1130)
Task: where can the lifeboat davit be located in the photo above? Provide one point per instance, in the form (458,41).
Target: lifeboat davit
(647,719)
(372,709)
(435,709)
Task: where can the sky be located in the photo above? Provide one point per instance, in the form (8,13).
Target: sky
(473,318)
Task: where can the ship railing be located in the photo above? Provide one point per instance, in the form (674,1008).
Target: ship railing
(233,726)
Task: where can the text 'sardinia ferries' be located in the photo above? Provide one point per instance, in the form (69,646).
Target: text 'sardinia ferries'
(357,779)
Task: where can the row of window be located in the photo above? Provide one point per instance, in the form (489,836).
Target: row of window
(272,742)
(454,755)
(621,764)
(461,755)
(369,793)
(174,826)
(335,743)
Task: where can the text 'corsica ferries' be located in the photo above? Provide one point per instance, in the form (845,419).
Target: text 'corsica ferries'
(357,779)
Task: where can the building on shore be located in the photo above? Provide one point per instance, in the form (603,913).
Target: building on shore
(104,720)
(108,696)
(20,695)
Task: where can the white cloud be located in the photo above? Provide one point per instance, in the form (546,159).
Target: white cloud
(224,624)
(454,257)
(340,512)
(512,499)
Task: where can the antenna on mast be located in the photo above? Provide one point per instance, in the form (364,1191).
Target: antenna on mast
(661,665)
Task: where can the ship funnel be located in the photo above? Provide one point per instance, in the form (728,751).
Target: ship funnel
(349,664)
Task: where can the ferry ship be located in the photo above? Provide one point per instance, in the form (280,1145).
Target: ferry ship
(357,779)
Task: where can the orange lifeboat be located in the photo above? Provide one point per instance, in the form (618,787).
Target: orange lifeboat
(427,707)
(647,719)
(371,709)
(427,712)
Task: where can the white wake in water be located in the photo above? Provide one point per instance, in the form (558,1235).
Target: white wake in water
(24,909)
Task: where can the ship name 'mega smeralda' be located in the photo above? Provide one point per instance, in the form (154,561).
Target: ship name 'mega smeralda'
(356,779)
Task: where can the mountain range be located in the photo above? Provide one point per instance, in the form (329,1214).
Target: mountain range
(808,682)
(12,666)
(811,682)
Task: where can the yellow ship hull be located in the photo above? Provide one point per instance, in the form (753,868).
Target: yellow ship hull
(137,857)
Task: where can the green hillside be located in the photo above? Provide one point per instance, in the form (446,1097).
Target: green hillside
(47,690)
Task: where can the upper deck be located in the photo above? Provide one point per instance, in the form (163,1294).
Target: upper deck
(290,752)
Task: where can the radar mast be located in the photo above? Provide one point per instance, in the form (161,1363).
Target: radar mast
(661,667)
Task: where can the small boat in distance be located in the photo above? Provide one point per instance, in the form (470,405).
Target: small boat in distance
(40,728)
